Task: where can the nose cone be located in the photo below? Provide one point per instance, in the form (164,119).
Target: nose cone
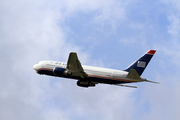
(35,67)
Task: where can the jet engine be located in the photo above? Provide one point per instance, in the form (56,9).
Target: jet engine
(85,83)
(61,71)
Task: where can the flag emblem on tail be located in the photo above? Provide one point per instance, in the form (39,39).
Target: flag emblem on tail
(141,64)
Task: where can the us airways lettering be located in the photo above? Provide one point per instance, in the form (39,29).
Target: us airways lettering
(59,63)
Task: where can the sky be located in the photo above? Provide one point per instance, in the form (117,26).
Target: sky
(104,33)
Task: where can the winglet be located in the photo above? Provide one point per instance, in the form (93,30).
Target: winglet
(133,74)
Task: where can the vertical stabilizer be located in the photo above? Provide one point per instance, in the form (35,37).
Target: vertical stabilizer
(141,63)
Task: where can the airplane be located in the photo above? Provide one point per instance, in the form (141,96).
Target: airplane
(89,76)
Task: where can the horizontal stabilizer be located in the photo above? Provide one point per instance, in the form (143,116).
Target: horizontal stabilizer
(126,86)
(151,81)
(133,74)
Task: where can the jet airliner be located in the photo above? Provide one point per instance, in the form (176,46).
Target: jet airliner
(89,76)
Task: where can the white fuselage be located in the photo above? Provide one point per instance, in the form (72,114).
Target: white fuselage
(96,74)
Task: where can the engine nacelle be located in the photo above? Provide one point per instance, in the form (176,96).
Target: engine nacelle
(85,83)
(58,71)
(66,72)
(61,71)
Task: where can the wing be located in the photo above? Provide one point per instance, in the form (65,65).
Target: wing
(74,66)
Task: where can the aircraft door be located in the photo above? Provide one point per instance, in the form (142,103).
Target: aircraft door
(43,65)
(108,74)
(116,74)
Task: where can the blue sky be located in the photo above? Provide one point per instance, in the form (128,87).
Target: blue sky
(104,33)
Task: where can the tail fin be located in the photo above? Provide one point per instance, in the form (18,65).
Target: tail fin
(141,63)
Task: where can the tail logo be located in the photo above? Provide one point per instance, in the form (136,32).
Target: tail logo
(141,64)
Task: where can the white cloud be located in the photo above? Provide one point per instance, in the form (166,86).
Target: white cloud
(170,45)
(28,35)
(163,99)
(174,27)
(102,102)
(106,11)
(30,32)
